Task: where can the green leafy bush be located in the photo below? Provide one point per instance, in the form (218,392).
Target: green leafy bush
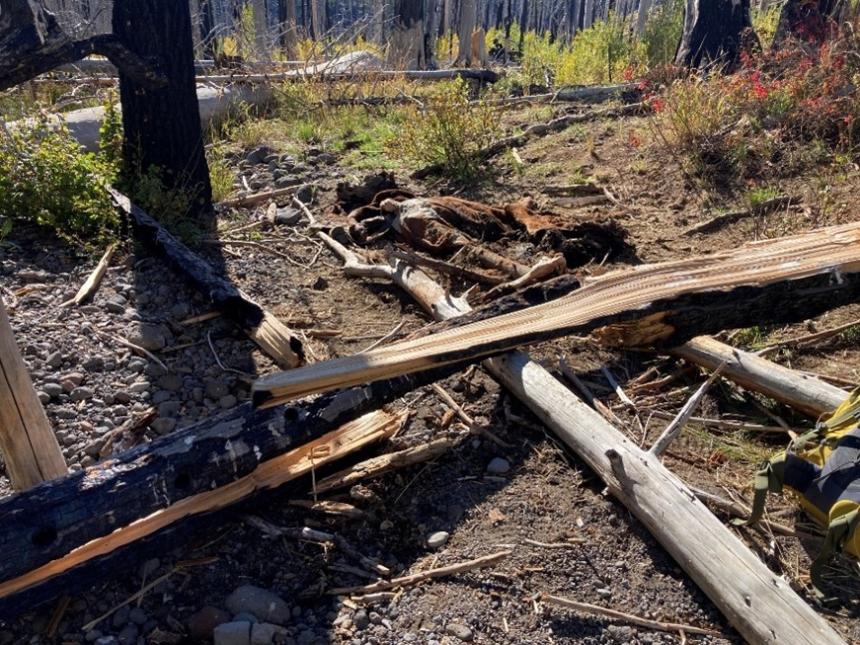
(46,178)
(450,130)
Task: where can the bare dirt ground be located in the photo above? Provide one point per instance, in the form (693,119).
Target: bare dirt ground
(539,492)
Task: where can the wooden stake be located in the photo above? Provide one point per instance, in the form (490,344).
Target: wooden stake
(27,440)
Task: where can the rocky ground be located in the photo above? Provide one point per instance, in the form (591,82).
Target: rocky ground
(228,581)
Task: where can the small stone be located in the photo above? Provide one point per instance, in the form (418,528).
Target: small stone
(171,382)
(44,397)
(163,425)
(202,623)
(92,636)
(604,592)
(360,619)
(305,193)
(258,155)
(215,389)
(55,359)
(139,386)
(237,633)
(71,380)
(52,389)
(320,284)
(94,364)
(106,640)
(265,633)
(264,604)
(128,635)
(120,618)
(461,631)
(81,394)
(227,402)
(438,539)
(116,305)
(287,216)
(138,616)
(245,616)
(151,337)
(498,466)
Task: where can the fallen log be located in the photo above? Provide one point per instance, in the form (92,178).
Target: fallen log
(261,326)
(782,280)
(48,522)
(627,92)
(800,391)
(275,472)
(758,603)
(215,105)
(542,129)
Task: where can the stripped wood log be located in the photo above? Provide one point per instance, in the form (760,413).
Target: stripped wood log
(48,522)
(261,326)
(782,280)
(757,602)
(351,437)
(800,391)
(27,441)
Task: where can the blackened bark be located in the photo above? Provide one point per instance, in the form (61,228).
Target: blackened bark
(812,21)
(408,46)
(32,43)
(162,127)
(715,33)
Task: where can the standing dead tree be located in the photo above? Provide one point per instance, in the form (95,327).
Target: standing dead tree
(715,33)
(162,126)
(32,43)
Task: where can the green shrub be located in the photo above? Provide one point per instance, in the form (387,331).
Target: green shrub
(46,178)
(603,53)
(663,32)
(450,130)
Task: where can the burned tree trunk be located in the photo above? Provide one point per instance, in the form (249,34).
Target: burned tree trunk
(289,35)
(811,21)
(32,43)
(407,38)
(162,126)
(467,21)
(715,33)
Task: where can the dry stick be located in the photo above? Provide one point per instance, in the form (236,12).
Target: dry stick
(587,394)
(722,565)
(721,423)
(92,283)
(332,508)
(256,198)
(555,545)
(540,271)
(475,428)
(808,338)
(421,576)
(376,466)
(629,618)
(728,218)
(739,510)
(446,267)
(677,424)
(387,336)
(619,391)
(27,440)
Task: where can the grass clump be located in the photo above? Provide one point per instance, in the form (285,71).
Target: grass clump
(46,178)
(449,131)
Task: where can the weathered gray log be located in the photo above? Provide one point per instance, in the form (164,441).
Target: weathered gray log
(757,602)
(32,43)
(215,104)
(627,92)
(800,391)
